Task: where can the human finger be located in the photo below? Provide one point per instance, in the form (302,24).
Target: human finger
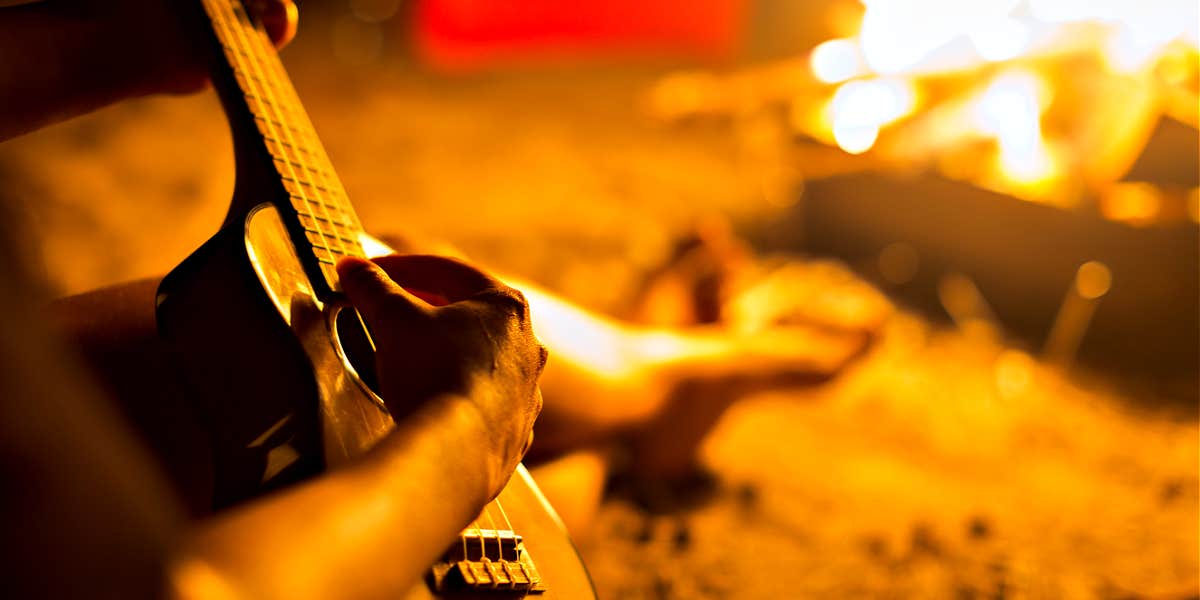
(374,294)
(279,17)
(449,278)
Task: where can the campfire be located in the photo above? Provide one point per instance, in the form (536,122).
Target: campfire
(1045,100)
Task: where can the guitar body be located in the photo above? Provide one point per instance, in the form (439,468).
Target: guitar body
(273,399)
(283,403)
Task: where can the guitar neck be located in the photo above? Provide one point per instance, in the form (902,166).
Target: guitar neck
(276,139)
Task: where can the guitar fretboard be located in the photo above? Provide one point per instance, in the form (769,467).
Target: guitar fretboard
(317,201)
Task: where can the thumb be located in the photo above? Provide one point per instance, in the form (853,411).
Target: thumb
(373,294)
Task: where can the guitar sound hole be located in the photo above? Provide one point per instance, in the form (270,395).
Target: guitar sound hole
(356,347)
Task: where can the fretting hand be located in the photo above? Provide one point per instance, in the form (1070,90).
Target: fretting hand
(150,39)
(69,57)
(444,329)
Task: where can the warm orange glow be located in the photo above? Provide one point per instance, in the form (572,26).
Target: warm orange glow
(1014,373)
(855,139)
(914,36)
(836,61)
(194,578)
(1093,280)
(1032,170)
(580,337)
(898,263)
(860,108)
(606,347)
(905,88)
(1010,110)
(908,41)
(1134,203)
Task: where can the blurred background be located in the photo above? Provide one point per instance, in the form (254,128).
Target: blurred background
(1018,176)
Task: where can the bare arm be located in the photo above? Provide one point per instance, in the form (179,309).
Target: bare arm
(367,531)
(62,58)
(464,376)
(372,528)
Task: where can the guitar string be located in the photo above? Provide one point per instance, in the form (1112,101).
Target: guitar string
(334,186)
(278,106)
(504,515)
(492,522)
(269,109)
(337,191)
(278,87)
(463,538)
(482,548)
(324,172)
(221,18)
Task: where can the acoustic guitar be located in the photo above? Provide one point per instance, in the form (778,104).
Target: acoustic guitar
(296,396)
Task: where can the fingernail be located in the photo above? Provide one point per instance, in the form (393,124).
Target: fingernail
(353,264)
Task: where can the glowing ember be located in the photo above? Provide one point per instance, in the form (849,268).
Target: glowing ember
(860,108)
(837,60)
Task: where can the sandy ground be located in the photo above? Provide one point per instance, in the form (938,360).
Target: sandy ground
(945,465)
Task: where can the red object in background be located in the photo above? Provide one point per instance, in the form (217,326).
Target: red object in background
(472,34)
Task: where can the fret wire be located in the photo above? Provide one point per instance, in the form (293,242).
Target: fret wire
(318,244)
(334,196)
(323,234)
(303,149)
(325,204)
(308,183)
(284,100)
(330,235)
(280,125)
(273,63)
(264,125)
(240,21)
(325,219)
(300,165)
(327,234)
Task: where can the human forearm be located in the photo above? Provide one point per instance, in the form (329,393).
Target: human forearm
(609,377)
(62,58)
(368,530)
(54,66)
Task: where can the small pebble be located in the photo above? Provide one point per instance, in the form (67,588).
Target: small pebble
(924,541)
(645,533)
(1171,491)
(876,547)
(978,528)
(747,496)
(662,588)
(682,540)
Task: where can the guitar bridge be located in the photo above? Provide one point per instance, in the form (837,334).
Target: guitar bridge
(487,560)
